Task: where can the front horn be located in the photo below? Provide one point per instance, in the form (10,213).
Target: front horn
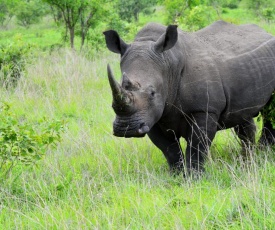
(120,95)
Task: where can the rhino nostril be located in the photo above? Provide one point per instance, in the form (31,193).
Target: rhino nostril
(143,128)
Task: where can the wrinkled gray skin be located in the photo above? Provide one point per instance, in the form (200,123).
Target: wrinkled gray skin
(177,84)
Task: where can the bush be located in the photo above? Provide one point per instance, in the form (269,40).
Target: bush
(268,14)
(116,23)
(199,17)
(12,61)
(95,40)
(23,142)
(231,4)
(177,8)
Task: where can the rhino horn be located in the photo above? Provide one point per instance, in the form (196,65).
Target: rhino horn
(120,95)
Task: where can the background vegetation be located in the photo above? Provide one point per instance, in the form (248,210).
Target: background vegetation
(60,166)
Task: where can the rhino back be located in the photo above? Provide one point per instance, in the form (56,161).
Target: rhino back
(231,40)
(229,70)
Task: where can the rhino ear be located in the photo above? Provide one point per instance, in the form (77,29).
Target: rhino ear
(114,42)
(167,40)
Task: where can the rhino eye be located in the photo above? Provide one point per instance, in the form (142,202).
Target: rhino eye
(153,93)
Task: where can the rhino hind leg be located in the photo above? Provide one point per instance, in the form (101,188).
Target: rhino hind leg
(246,132)
(268,134)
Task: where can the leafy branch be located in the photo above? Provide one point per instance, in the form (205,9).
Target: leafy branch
(23,142)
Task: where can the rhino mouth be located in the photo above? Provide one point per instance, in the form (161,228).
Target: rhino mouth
(127,131)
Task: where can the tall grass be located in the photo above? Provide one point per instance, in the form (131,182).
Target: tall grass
(96,181)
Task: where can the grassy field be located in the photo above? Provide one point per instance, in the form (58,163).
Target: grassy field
(93,180)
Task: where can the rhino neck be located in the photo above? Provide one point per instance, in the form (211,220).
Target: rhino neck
(176,60)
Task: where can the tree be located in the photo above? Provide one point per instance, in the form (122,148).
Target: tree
(57,14)
(28,12)
(177,8)
(90,17)
(8,8)
(129,9)
(78,12)
(3,12)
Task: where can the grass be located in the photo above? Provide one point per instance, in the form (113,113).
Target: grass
(244,16)
(43,38)
(45,35)
(93,180)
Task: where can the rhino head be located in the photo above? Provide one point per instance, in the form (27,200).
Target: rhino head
(139,100)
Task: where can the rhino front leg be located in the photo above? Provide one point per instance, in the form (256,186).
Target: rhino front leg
(202,130)
(169,145)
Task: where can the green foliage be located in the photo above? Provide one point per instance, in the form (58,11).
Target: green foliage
(263,8)
(232,4)
(29,12)
(23,142)
(177,8)
(173,9)
(130,9)
(93,15)
(8,9)
(116,23)
(199,17)
(3,12)
(78,16)
(12,61)
(195,14)
(268,13)
(95,39)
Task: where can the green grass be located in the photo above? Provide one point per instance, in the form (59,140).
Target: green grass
(43,35)
(42,38)
(93,180)
(159,16)
(244,16)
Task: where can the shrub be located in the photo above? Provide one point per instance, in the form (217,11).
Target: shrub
(232,4)
(116,23)
(23,142)
(177,8)
(12,61)
(268,14)
(199,17)
(95,39)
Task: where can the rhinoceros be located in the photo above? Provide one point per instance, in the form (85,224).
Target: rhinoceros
(192,84)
